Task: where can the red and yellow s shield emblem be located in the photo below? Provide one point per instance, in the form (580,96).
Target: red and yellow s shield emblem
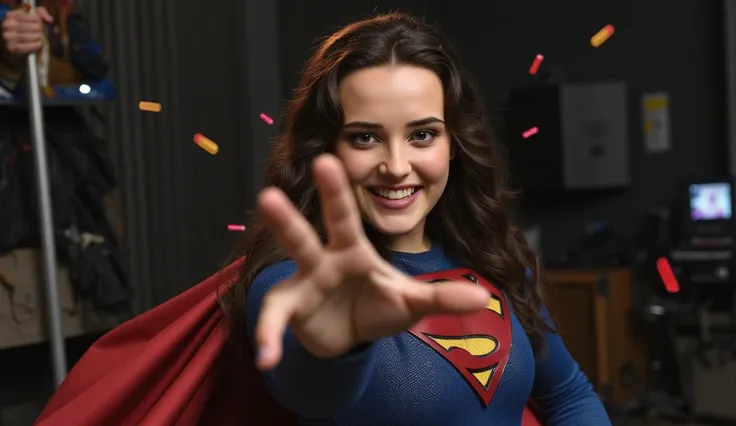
(476,345)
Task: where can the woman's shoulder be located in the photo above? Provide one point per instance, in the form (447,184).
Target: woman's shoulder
(272,275)
(262,283)
(276,272)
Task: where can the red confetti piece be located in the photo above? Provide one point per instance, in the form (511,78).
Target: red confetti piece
(531,132)
(668,276)
(266,118)
(240,228)
(536,64)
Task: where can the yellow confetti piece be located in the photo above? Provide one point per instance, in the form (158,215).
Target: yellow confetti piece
(149,106)
(206,143)
(601,36)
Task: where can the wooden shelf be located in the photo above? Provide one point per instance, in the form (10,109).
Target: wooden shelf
(57,102)
(594,310)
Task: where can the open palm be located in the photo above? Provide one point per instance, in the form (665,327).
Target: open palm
(343,293)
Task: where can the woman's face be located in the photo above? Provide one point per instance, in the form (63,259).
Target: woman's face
(395,148)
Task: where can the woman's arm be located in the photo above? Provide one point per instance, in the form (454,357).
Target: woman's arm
(306,385)
(563,394)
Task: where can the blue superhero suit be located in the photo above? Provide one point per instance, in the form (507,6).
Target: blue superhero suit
(408,380)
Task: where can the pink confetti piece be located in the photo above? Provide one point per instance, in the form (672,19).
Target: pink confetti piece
(535,65)
(240,228)
(531,132)
(266,118)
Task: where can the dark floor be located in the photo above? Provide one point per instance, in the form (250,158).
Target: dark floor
(25,379)
(655,422)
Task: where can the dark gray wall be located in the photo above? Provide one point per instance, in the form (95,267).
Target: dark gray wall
(658,45)
(302,24)
(178,198)
(213,98)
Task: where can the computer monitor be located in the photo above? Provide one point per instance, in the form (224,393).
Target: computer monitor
(706,209)
(710,201)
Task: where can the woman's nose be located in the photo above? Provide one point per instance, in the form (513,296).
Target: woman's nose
(396,164)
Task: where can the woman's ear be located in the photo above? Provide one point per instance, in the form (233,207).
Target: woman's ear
(452,150)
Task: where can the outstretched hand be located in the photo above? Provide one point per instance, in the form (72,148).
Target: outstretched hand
(343,293)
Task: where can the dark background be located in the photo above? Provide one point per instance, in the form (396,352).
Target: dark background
(659,45)
(228,66)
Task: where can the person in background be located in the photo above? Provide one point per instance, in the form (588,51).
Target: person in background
(67,54)
(81,173)
(23,33)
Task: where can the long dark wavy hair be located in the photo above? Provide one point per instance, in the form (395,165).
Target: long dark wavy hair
(471,219)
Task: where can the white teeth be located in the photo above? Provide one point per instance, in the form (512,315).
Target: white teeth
(395,195)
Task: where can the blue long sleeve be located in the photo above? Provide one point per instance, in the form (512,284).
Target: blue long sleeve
(563,394)
(307,385)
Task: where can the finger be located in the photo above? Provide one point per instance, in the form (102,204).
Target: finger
(444,298)
(24,18)
(20,49)
(339,208)
(44,15)
(14,16)
(9,25)
(296,235)
(279,306)
(29,37)
(34,25)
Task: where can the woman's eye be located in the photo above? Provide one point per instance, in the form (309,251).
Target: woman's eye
(363,138)
(423,136)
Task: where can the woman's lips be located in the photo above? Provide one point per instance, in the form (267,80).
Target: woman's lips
(398,203)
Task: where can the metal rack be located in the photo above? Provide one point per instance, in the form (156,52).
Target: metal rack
(48,246)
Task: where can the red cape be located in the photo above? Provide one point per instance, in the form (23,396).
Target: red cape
(163,368)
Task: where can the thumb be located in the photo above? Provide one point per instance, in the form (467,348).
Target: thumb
(44,15)
(445,298)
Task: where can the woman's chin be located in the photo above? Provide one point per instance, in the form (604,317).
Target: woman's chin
(394,226)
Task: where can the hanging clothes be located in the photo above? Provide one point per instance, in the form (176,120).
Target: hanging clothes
(81,175)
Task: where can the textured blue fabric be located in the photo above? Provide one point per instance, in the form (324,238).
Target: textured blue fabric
(401,381)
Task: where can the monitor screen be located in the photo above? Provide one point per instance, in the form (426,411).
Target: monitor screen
(710,201)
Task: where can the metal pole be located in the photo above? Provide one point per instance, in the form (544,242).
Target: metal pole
(48,247)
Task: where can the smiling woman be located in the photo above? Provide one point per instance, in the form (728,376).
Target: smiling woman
(383,229)
(383,282)
(395,149)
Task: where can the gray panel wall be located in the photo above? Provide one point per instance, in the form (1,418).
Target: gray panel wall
(200,63)
(139,41)
(680,52)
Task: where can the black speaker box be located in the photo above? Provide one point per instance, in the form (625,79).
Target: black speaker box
(569,137)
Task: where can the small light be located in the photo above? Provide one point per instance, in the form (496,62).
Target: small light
(84,89)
